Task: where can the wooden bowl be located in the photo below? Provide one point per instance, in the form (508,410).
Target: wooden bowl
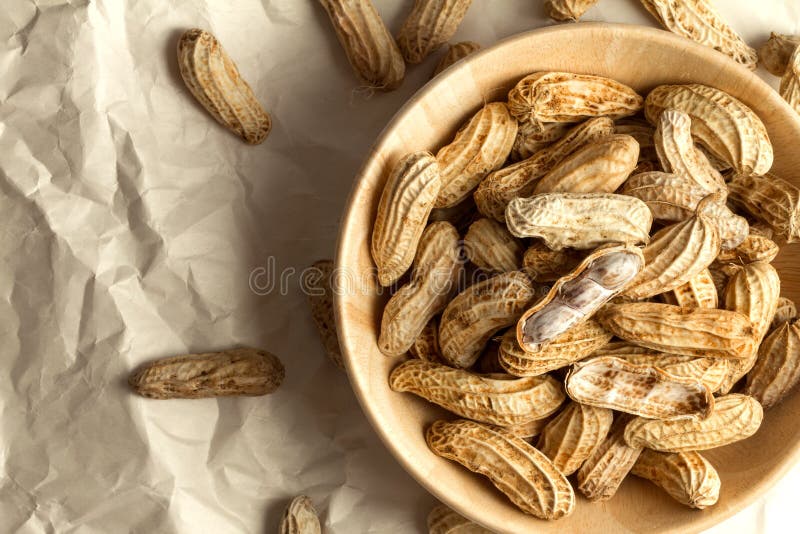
(642,58)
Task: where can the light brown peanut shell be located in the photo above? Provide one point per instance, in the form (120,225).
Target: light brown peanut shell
(478,312)
(670,197)
(643,132)
(572,435)
(776,52)
(643,390)
(494,399)
(528,430)
(455,53)
(710,371)
(370,48)
(790,82)
(214,80)
(753,290)
(786,311)
(699,292)
(722,124)
(406,202)
(478,148)
(426,346)
(678,155)
(686,476)
(777,370)
(735,417)
(490,246)
(531,138)
(754,248)
(545,265)
(580,220)
(429,25)
(519,180)
(568,10)
(605,469)
(676,254)
(600,166)
(317,283)
(300,517)
(243,371)
(443,520)
(567,97)
(573,345)
(526,476)
(698,332)
(699,21)
(771,200)
(437,267)
(575,297)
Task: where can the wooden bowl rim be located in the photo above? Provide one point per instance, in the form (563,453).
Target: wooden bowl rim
(360,380)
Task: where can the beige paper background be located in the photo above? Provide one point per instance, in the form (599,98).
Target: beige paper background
(132,227)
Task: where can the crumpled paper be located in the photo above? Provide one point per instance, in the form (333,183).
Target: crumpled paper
(135,227)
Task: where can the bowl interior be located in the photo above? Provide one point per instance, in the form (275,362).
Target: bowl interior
(642,58)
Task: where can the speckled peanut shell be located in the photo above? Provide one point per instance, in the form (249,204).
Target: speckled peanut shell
(455,53)
(777,370)
(722,124)
(776,52)
(526,476)
(429,25)
(676,254)
(771,200)
(699,21)
(753,290)
(545,265)
(643,390)
(600,166)
(370,48)
(568,10)
(437,267)
(300,517)
(443,520)
(687,477)
(531,138)
(572,435)
(608,465)
(699,292)
(573,345)
(493,399)
(478,312)
(698,332)
(478,148)
(519,180)
(214,80)
(490,246)
(406,202)
(568,97)
(735,417)
(243,371)
(678,155)
(580,220)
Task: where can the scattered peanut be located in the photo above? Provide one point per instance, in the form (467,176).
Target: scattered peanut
(300,517)
(430,24)
(244,371)
(370,48)
(214,80)
(456,53)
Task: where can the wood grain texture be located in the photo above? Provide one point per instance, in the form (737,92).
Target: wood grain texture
(641,58)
